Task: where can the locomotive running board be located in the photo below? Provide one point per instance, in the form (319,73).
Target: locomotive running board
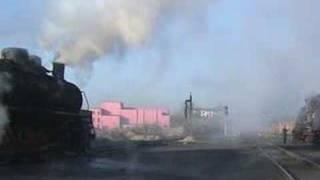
(42,111)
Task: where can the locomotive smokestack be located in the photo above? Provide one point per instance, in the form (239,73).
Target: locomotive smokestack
(58,70)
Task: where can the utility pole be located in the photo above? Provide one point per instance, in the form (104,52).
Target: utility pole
(227,124)
(188,113)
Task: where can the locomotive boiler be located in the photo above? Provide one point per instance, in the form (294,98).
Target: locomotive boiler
(44,110)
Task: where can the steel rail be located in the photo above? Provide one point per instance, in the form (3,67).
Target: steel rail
(297,156)
(284,171)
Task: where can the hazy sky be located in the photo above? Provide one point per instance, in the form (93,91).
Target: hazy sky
(259,57)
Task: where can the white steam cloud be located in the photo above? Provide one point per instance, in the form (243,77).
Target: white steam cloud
(259,57)
(82,31)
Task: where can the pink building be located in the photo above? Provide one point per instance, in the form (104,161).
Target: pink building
(112,115)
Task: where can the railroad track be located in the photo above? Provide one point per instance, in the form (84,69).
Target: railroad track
(292,165)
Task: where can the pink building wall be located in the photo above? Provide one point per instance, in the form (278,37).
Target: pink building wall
(113,108)
(130,115)
(112,115)
(110,122)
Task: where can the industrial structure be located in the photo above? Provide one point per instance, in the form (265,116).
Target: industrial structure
(206,123)
(112,115)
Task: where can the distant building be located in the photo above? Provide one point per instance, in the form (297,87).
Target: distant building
(278,127)
(111,115)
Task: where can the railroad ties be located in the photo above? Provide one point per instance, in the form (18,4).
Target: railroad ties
(292,166)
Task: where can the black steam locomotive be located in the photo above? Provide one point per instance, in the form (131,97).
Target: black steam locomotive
(307,127)
(43,109)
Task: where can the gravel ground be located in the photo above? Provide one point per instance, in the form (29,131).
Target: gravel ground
(198,161)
